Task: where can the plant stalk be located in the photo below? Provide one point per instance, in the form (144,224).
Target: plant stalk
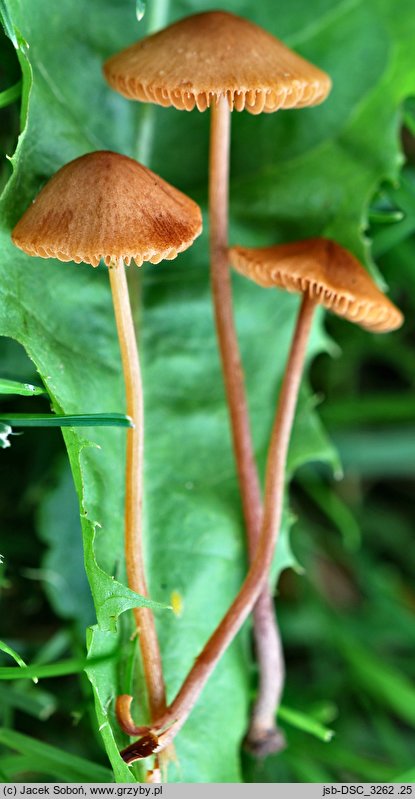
(263,735)
(176,714)
(134,555)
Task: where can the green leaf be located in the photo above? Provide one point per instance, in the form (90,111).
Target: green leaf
(294,174)
(404,196)
(62,571)
(409,115)
(102,679)
(24,389)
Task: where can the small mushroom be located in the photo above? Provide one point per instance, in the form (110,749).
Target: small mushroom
(105,206)
(203,59)
(220,61)
(326,274)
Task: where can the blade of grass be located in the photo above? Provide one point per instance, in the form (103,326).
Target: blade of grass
(394,740)
(380,680)
(407,777)
(370,409)
(12,652)
(371,455)
(300,720)
(343,760)
(22,389)
(7,23)
(70,666)
(305,769)
(385,217)
(15,655)
(54,648)
(336,511)
(15,766)
(62,420)
(37,703)
(8,96)
(49,759)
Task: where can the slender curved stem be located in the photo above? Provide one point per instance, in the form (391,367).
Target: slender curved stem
(144,618)
(176,714)
(263,735)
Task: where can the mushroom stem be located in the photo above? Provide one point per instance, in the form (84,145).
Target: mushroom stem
(262,727)
(144,618)
(225,326)
(167,726)
(266,633)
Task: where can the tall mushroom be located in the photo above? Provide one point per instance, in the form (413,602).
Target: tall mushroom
(325,274)
(220,61)
(105,206)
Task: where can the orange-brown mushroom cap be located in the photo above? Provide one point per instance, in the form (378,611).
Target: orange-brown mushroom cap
(328,273)
(105,205)
(214,54)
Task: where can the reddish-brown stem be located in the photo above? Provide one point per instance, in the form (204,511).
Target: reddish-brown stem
(225,325)
(263,735)
(176,714)
(144,618)
(124,717)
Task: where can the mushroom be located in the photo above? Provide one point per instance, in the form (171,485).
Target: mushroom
(105,206)
(220,61)
(327,274)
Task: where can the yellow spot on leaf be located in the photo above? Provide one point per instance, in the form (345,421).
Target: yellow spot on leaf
(176,600)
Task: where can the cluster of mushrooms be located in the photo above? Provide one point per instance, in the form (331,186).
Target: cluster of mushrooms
(105,206)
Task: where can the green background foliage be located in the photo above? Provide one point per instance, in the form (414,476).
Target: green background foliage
(294,174)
